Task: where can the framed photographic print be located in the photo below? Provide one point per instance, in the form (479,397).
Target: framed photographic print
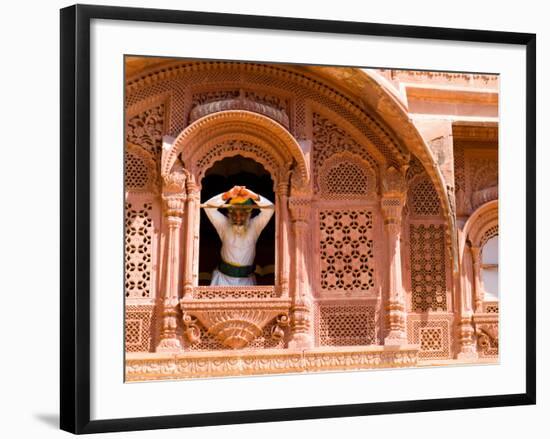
(340,214)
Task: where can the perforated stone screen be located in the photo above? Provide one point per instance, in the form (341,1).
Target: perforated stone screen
(346,250)
(346,325)
(139,232)
(432,336)
(346,178)
(136,174)
(424,200)
(138,323)
(428,271)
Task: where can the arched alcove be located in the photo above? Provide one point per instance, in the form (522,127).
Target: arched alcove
(219,178)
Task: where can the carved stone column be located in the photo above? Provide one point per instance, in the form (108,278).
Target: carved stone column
(301,302)
(466,330)
(393,200)
(193,200)
(173,196)
(283,256)
(478,290)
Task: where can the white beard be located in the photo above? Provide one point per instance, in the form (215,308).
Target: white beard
(239,229)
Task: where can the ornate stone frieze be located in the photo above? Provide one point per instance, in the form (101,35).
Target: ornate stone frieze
(145,367)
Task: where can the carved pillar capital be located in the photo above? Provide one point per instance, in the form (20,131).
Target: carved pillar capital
(282,188)
(173,209)
(392,209)
(174,183)
(393,183)
(299,208)
(174,193)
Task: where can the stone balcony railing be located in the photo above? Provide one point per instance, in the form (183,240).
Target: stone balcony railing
(236,293)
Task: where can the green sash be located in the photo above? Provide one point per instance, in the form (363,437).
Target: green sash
(236,271)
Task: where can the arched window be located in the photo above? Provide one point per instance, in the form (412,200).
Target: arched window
(489,268)
(222,176)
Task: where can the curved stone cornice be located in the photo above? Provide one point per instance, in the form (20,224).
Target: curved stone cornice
(394,112)
(272,137)
(302,76)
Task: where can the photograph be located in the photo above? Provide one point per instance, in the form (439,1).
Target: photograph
(300,219)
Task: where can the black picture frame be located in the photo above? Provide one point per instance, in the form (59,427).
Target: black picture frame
(75,217)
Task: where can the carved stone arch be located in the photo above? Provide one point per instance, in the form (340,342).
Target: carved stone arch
(359,175)
(482,221)
(230,145)
(480,227)
(268,141)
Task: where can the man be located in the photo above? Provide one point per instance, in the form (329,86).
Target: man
(238,233)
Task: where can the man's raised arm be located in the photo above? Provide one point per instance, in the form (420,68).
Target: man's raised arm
(261,220)
(218,219)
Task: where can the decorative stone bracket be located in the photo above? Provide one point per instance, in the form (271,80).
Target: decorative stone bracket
(234,323)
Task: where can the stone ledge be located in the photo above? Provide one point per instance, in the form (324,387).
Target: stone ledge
(162,366)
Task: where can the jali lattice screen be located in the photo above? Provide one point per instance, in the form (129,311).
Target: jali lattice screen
(346,250)
(346,325)
(139,233)
(428,274)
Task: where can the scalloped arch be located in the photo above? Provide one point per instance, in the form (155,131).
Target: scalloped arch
(479,222)
(278,146)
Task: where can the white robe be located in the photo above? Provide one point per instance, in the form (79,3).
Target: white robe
(237,249)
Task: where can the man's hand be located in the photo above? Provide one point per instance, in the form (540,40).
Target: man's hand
(247,193)
(232,193)
(240,191)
